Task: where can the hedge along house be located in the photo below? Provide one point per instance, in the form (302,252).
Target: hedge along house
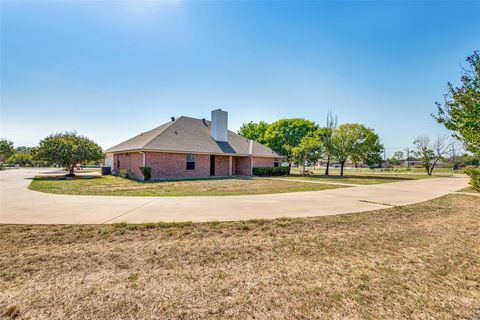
(191,148)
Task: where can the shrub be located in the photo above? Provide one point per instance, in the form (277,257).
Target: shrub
(147,173)
(271,171)
(474,174)
(123,173)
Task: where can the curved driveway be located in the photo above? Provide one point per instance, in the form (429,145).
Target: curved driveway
(20,205)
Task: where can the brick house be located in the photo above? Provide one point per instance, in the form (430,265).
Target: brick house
(191,148)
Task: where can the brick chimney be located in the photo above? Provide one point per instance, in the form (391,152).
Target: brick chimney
(219,130)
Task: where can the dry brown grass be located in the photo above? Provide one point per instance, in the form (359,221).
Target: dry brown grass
(420,261)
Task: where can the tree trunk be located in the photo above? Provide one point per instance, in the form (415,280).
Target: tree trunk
(328,165)
(431,167)
(341,168)
(303,167)
(71,170)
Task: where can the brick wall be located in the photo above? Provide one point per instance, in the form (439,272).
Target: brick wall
(262,162)
(222,165)
(265,162)
(174,165)
(129,161)
(243,166)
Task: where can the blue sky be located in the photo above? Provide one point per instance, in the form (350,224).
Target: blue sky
(110,70)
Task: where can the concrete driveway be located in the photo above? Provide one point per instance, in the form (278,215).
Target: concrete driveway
(20,205)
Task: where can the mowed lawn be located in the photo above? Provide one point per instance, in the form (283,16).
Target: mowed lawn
(364,178)
(420,261)
(115,186)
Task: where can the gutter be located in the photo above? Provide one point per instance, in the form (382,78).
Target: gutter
(143,153)
(250,155)
(196,152)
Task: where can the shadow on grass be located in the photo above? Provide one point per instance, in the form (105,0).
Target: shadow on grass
(153,181)
(192,179)
(63,178)
(366,177)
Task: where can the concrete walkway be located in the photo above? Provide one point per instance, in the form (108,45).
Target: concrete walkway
(20,205)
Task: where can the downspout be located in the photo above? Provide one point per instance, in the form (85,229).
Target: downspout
(143,157)
(250,152)
(143,153)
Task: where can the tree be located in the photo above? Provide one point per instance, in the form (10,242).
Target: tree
(326,138)
(309,150)
(68,149)
(6,149)
(285,134)
(397,156)
(429,153)
(23,159)
(254,131)
(370,150)
(357,142)
(460,111)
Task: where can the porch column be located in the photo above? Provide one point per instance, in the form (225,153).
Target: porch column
(230,159)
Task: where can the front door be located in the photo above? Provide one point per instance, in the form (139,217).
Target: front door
(212,165)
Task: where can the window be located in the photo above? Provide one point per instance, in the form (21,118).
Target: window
(275,163)
(190,162)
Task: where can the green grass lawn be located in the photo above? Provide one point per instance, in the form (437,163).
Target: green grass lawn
(409,262)
(368,171)
(114,186)
(469,190)
(362,178)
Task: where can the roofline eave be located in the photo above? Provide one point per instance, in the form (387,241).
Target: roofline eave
(193,152)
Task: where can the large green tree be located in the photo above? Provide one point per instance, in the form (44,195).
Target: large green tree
(355,142)
(370,150)
(285,134)
(68,149)
(6,149)
(254,131)
(309,150)
(460,111)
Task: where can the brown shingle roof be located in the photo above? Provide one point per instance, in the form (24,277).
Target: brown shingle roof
(190,135)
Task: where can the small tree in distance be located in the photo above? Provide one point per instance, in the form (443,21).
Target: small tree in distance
(327,137)
(68,149)
(396,158)
(309,150)
(345,139)
(430,153)
(6,150)
(356,142)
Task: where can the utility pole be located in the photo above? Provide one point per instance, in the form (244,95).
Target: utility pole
(408,157)
(384,158)
(453,157)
